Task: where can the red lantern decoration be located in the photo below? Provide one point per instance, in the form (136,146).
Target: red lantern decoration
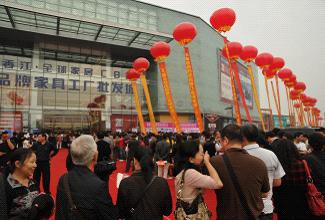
(277,64)
(296,105)
(184,33)
(248,53)
(234,50)
(303,96)
(223,19)
(264,60)
(160,50)
(285,74)
(269,74)
(141,64)
(300,86)
(132,74)
(294,95)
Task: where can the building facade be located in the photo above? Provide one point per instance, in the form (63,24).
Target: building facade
(63,66)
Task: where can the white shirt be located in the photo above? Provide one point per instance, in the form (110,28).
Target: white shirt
(274,170)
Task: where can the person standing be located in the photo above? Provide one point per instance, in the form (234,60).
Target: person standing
(131,146)
(44,152)
(274,168)
(6,147)
(161,156)
(88,193)
(241,199)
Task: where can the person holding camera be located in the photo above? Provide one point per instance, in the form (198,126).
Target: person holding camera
(6,147)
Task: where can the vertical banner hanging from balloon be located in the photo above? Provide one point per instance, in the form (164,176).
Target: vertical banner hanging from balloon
(248,55)
(142,65)
(184,33)
(160,51)
(133,76)
(222,20)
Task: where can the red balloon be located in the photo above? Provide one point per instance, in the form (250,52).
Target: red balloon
(269,73)
(285,74)
(223,19)
(290,84)
(293,93)
(277,64)
(296,105)
(248,53)
(264,60)
(234,49)
(184,32)
(132,74)
(141,64)
(300,86)
(303,96)
(160,50)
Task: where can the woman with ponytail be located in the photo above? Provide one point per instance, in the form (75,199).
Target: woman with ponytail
(143,196)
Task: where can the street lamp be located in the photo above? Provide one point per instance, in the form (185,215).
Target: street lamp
(232,112)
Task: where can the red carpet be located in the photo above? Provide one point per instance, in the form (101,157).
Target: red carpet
(58,168)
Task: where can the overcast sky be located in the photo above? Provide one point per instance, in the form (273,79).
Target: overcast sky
(293,30)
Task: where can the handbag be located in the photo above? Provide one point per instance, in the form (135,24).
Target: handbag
(195,210)
(105,167)
(315,199)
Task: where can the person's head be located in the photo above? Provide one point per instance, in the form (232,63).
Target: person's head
(317,142)
(5,135)
(298,136)
(23,161)
(269,136)
(100,135)
(42,207)
(249,133)
(230,135)
(190,155)
(84,150)
(143,160)
(217,135)
(287,136)
(41,137)
(287,153)
(276,131)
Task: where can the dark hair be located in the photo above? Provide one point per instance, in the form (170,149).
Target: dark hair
(269,134)
(287,153)
(250,132)
(42,207)
(100,135)
(276,131)
(297,134)
(288,136)
(187,150)
(232,132)
(317,142)
(143,156)
(21,155)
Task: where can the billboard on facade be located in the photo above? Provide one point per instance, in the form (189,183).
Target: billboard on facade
(225,85)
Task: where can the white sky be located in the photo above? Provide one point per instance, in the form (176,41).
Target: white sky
(293,30)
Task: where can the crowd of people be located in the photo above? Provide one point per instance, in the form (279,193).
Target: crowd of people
(254,174)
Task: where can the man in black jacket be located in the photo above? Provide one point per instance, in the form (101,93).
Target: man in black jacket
(104,150)
(44,151)
(88,192)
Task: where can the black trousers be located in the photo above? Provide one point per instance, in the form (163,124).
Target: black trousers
(43,169)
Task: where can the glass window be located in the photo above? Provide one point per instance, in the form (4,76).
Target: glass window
(64,9)
(152,27)
(89,6)
(143,25)
(78,4)
(112,11)
(51,7)
(112,19)
(143,18)
(133,16)
(38,4)
(24,2)
(122,21)
(101,16)
(123,13)
(77,11)
(133,23)
(101,9)
(89,14)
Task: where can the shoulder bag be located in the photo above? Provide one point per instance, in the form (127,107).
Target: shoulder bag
(315,199)
(134,207)
(72,207)
(195,210)
(240,193)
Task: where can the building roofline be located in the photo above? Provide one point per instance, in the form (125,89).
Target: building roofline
(169,9)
